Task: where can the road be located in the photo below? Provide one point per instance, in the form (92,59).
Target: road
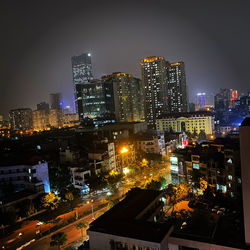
(29,228)
(73,235)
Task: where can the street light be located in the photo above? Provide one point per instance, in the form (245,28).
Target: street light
(123,151)
(92,209)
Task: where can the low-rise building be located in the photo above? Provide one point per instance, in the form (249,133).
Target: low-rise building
(151,143)
(138,223)
(70,120)
(121,130)
(187,122)
(102,155)
(132,224)
(69,155)
(216,161)
(25,177)
(79,175)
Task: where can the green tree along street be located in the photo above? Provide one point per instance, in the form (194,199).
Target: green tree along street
(202,135)
(58,239)
(59,178)
(82,225)
(51,200)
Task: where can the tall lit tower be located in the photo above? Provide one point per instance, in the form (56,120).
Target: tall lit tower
(82,73)
(128,96)
(155,86)
(176,88)
(200,100)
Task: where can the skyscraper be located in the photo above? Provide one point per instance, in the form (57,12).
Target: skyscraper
(43,106)
(21,119)
(200,100)
(56,100)
(95,99)
(154,77)
(176,88)
(165,87)
(40,119)
(82,73)
(128,96)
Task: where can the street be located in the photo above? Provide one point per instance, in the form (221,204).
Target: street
(29,228)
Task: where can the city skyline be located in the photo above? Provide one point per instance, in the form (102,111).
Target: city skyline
(192,37)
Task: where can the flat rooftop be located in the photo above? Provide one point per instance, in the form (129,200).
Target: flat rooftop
(121,219)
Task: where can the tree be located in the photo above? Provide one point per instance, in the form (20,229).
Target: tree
(82,225)
(50,200)
(182,191)
(59,178)
(203,184)
(58,239)
(202,135)
(194,135)
(96,182)
(69,196)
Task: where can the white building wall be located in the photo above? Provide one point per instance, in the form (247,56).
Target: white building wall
(101,241)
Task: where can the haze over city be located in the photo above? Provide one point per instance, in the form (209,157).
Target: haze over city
(40,38)
(124,125)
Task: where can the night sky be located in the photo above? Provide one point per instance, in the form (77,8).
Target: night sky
(38,39)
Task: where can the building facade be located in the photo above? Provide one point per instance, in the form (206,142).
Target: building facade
(21,119)
(151,143)
(40,120)
(95,99)
(55,118)
(82,73)
(43,106)
(176,88)
(154,79)
(200,101)
(128,96)
(56,100)
(187,122)
(22,177)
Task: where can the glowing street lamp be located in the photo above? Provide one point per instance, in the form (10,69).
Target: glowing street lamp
(124,150)
(125,171)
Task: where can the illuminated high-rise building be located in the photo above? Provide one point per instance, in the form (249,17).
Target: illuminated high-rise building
(40,119)
(233,95)
(165,87)
(21,119)
(200,101)
(154,79)
(176,88)
(128,96)
(95,99)
(55,118)
(82,73)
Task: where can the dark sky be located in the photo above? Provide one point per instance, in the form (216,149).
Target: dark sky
(38,39)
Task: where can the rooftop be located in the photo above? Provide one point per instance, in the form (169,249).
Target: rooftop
(188,114)
(122,218)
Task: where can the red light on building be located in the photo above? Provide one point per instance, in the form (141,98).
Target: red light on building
(185,142)
(234,94)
